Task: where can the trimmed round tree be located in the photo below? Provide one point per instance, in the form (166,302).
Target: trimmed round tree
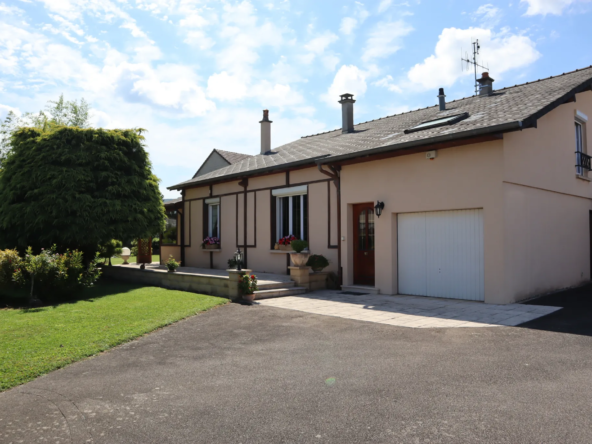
(77,188)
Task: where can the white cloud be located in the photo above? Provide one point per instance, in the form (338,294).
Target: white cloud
(544,7)
(504,51)
(224,86)
(349,79)
(487,15)
(388,83)
(348,24)
(106,10)
(385,39)
(319,44)
(384,5)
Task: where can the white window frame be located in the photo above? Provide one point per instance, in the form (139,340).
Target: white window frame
(289,193)
(580,120)
(213,206)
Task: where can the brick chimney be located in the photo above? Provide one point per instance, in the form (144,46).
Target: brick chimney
(485,84)
(265,132)
(347,113)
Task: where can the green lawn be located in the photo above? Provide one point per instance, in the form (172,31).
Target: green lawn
(37,341)
(132,259)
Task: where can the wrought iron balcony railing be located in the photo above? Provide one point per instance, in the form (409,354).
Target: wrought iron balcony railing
(583,161)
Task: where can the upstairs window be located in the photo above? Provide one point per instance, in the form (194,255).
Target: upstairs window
(582,158)
(291,208)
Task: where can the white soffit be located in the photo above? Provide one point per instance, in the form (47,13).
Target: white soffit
(292,191)
(213,201)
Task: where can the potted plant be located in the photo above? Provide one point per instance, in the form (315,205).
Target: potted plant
(285,242)
(211,243)
(317,262)
(299,258)
(172,264)
(248,287)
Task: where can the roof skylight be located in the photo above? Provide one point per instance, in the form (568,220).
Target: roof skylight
(450,120)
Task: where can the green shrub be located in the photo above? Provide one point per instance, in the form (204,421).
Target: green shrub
(51,276)
(299,245)
(317,262)
(110,249)
(10,261)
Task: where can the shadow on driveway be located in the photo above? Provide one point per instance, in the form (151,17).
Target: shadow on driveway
(576,316)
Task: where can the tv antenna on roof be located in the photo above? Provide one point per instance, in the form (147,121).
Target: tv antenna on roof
(466,62)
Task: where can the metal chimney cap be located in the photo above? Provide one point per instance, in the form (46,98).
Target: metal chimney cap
(441,92)
(265,116)
(347,98)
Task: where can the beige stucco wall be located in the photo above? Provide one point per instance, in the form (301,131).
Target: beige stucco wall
(168,250)
(546,241)
(459,178)
(546,206)
(260,256)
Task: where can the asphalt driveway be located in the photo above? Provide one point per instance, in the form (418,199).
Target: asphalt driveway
(240,374)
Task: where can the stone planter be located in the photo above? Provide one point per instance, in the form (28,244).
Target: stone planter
(286,248)
(172,271)
(212,247)
(249,298)
(299,259)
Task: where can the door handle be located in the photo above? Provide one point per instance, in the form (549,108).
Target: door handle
(365,253)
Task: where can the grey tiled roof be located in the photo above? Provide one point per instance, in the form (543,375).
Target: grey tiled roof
(231,157)
(503,110)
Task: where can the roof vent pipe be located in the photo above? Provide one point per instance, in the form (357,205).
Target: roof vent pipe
(347,113)
(442,99)
(485,85)
(265,132)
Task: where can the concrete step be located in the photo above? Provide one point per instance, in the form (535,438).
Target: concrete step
(364,289)
(279,292)
(267,285)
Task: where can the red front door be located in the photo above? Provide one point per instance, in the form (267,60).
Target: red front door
(364,244)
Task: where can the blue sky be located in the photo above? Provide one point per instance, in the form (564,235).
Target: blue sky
(196,74)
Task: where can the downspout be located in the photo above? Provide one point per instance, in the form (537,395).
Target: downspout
(183,229)
(244,183)
(336,176)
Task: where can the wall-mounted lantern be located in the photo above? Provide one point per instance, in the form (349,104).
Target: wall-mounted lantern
(238,257)
(378,208)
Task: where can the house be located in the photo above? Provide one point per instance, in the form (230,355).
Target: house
(170,237)
(484,198)
(219,159)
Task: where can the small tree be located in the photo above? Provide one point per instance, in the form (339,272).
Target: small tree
(109,249)
(77,188)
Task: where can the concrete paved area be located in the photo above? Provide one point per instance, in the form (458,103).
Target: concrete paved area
(411,311)
(258,374)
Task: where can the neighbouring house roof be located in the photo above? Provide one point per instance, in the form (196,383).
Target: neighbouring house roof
(171,204)
(507,109)
(227,156)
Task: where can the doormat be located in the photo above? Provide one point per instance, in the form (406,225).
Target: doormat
(353,293)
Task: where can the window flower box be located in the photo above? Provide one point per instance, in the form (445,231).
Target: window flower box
(210,243)
(285,248)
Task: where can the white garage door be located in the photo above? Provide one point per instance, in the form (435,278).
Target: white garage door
(441,254)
